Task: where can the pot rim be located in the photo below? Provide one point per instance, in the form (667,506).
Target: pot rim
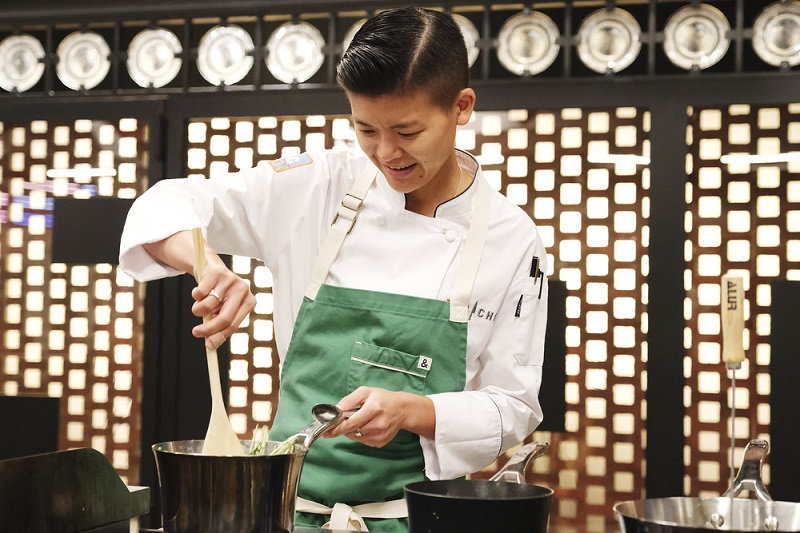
(161,447)
(420,488)
(637,504)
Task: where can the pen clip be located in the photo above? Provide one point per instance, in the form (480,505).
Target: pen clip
(541,285)
(519,306)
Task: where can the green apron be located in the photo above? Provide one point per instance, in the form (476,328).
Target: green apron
(345,338)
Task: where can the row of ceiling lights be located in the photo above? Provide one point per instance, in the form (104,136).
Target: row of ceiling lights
(695,37)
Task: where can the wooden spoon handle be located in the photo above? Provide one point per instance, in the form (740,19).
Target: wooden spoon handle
(199,253)
(732,319)
(220,439)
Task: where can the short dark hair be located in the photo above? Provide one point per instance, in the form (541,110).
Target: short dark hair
(400,51)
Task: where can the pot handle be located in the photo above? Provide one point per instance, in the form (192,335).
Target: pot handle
(514,469)
(749,475)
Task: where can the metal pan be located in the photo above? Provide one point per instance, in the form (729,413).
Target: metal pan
(227,494)
(235,494)
(503,503)
(726,513)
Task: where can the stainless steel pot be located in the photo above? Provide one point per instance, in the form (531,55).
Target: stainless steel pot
(726,513)
(244,494)
(504,503)
(236,494)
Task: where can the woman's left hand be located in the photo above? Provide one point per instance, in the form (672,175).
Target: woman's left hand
(381,414)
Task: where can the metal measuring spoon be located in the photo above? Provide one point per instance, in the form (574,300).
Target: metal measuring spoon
(326,417)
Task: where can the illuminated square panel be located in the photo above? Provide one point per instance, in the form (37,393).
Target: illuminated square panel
(741,220)
(71,331)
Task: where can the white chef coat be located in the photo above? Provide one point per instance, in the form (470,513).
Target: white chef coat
(280,211)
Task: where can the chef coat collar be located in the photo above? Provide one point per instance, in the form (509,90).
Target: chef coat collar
(455,207)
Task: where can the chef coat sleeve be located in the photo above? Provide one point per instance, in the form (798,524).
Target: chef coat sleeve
(500,405)
(248,213)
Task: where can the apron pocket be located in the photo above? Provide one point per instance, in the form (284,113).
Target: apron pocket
(377,366)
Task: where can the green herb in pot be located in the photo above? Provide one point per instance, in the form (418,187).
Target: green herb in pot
(258,445)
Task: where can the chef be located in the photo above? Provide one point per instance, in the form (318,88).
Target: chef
(407,291)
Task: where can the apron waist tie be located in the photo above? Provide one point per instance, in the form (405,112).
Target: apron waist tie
(345,517)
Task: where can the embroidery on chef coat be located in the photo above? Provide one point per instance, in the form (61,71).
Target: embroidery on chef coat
(480,312)
(287,163)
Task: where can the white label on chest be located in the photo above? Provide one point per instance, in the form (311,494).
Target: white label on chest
(424,363)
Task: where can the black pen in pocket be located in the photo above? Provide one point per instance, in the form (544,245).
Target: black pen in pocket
(537,275)
(541,284)
(534,273)
(519,306)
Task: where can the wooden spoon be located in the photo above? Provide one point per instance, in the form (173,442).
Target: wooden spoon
(221,439)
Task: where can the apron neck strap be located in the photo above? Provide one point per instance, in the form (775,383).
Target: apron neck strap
(470,255)
(342,224)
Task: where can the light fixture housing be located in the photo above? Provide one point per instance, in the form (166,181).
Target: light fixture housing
(776,34)
(527,43)
(225,54)
(696,37)
(351,32)
(295,52)
(608,40)
(83,60)
(154,57)
(471,37)
(21,62)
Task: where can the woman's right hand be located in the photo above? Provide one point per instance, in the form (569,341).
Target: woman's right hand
(223,296)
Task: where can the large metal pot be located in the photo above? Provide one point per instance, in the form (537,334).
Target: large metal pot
(726,513)
(504,503)
(241,494)
(245,494)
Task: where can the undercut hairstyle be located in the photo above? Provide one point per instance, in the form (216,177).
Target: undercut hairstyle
(402,51)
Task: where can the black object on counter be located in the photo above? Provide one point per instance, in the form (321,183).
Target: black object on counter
(28,438)
(503,503)
(68,491)
(460,505)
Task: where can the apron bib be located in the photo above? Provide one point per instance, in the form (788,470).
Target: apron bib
(345,338)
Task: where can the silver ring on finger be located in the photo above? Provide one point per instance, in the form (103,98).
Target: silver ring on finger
(215,294)
(358,433)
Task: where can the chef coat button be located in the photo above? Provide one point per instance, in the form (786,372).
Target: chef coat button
(380,220)
(450,235)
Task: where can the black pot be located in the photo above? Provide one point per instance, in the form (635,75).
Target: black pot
(504,503)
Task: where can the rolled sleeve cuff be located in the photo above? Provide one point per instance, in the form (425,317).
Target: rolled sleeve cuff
(140,265)
(469,434)
(143,226)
